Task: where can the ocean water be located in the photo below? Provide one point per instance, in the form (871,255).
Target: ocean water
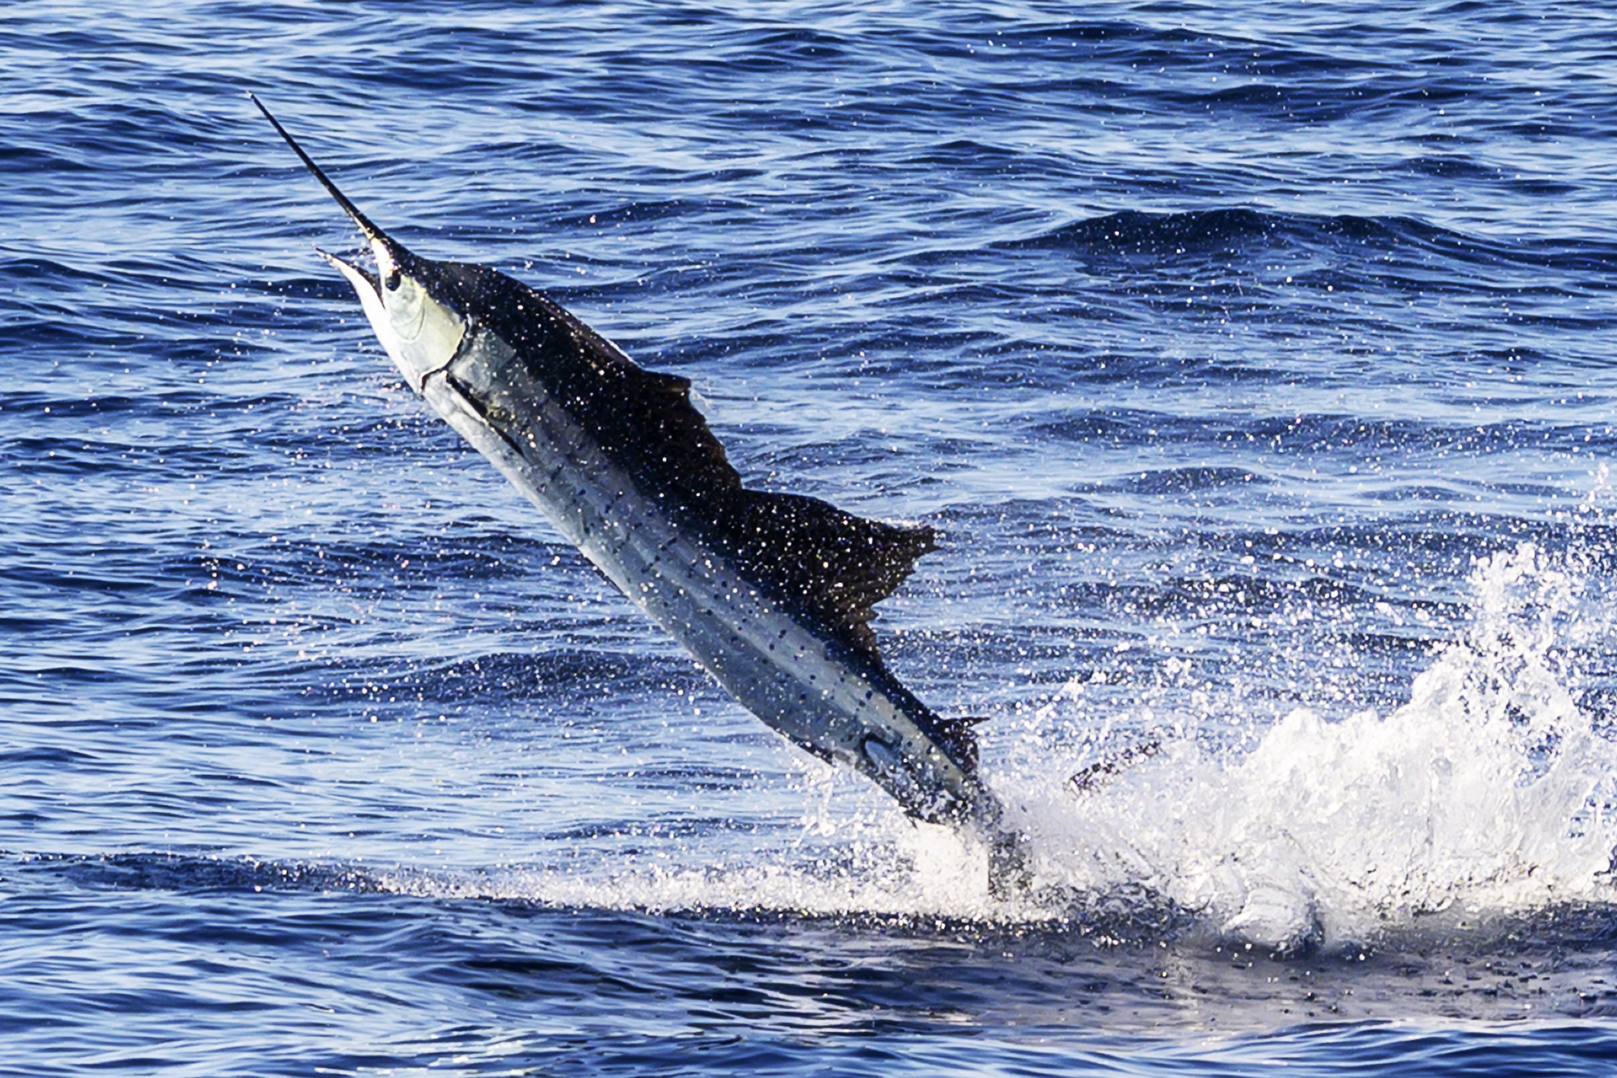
(1255,362)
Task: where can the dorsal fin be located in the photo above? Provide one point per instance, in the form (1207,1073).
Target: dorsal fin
(831,564)
(958,739)
(642,419)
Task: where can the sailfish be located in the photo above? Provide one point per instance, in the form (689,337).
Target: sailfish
(772,593)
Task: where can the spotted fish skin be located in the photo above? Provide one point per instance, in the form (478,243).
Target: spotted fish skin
(771,593)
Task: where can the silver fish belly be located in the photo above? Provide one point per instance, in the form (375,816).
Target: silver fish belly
(796,681)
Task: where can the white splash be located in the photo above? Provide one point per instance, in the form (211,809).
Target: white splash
(1485,789)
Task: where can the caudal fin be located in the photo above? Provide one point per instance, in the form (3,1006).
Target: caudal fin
(1103,771)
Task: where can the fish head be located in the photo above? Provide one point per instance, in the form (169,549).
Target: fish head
(416,306)
(412,304)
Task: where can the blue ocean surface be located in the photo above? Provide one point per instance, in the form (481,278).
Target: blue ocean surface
(1255,363)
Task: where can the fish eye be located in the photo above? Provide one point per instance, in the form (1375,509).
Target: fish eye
(392,281)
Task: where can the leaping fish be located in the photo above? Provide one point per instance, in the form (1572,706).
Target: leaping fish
(772,593)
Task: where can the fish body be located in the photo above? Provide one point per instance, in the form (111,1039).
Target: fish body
(770,592)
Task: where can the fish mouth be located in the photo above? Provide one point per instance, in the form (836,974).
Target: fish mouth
(389,255)
(357,275)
